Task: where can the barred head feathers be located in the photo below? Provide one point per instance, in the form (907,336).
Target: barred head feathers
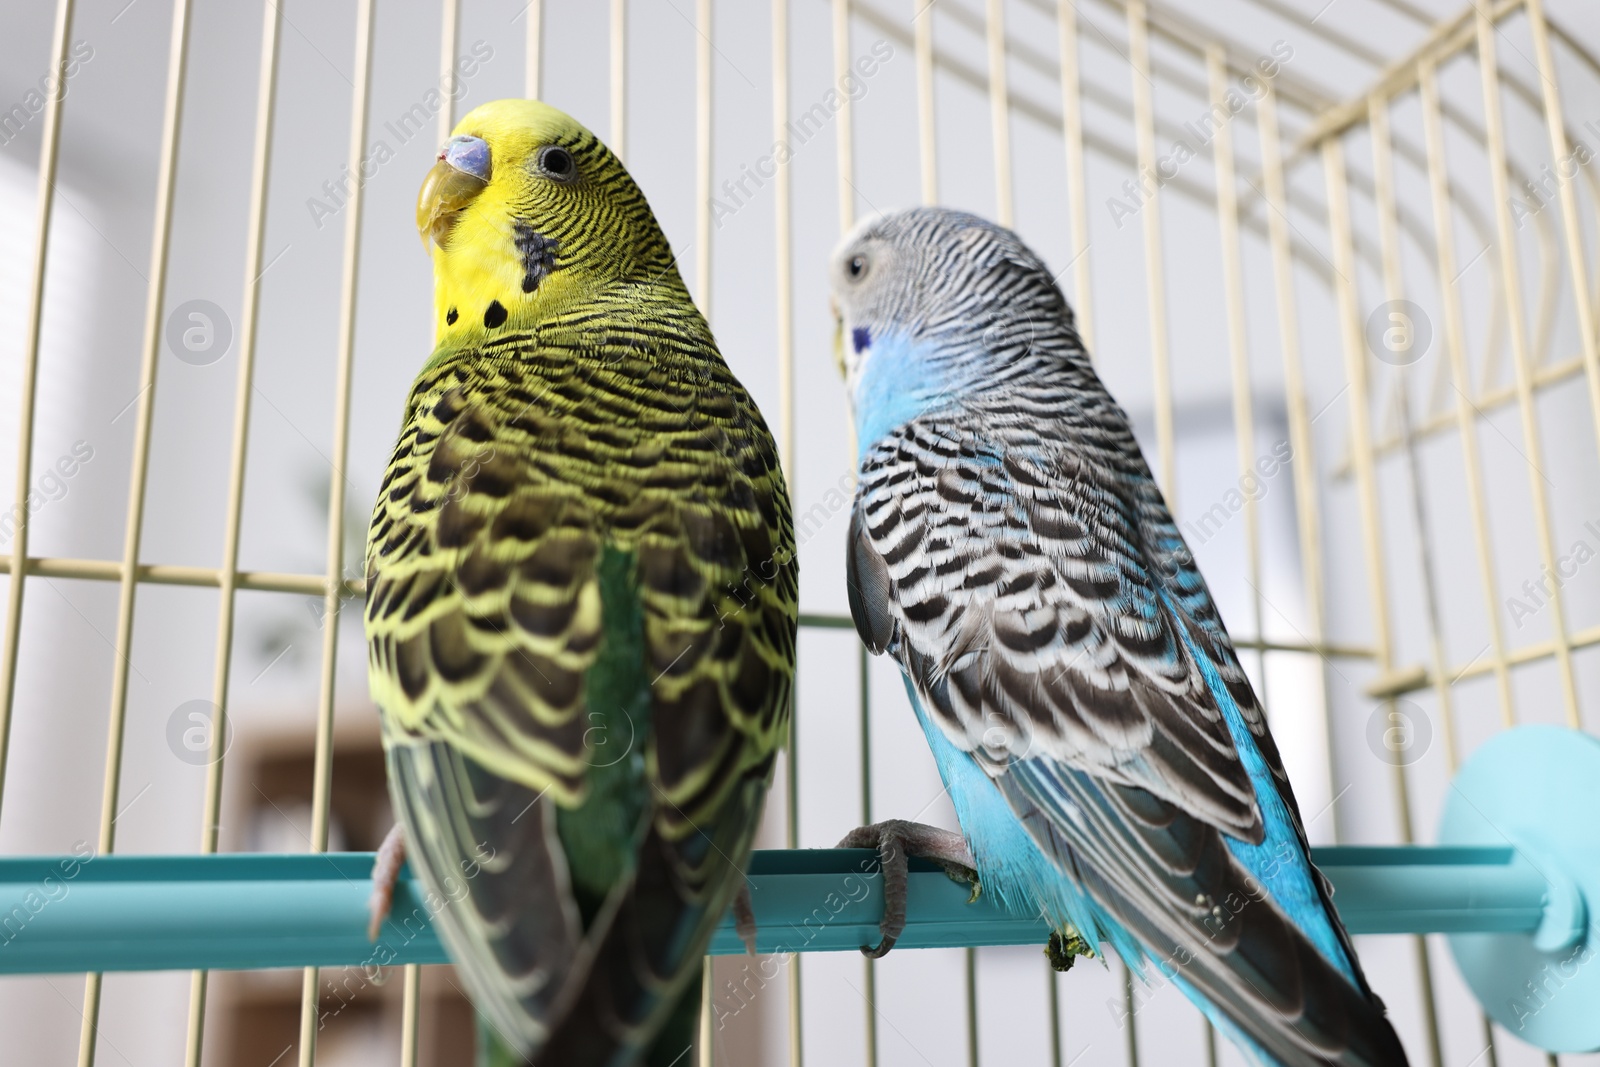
(938,307)
(951,281)
(527,213)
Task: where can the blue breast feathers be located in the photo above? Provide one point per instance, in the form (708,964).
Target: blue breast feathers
(1011,866)
(902,380)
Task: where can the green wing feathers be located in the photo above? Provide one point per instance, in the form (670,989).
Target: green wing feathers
(581,635)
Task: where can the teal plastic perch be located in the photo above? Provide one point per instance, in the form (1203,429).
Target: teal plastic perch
(1514,884)
(155,913)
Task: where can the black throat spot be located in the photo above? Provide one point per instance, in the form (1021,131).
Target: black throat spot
(538,254)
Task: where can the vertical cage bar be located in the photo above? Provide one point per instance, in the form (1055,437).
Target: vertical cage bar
(1155,275)
(1054,994)
(533,85)
(864,708)
(410,1012)
(1455,348)
(1005,214)
(702,264)
(844,125)
(972,1006)
(1511,284)
(1077,180)
(49,152)
(166,179)
(1571,220)
(228,573)
(1394,293)
(1155,294)
(449,35)
(1308,518)
(1244,419)
(323,767)
(1238,341)
(782,211)
(1131,1048)
(619,78)
(702,154)
(927,127)
(707,991)
(999,111)
(783,242)
(1364,460)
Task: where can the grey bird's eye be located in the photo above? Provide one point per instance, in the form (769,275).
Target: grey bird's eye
(557,164)
(857,267)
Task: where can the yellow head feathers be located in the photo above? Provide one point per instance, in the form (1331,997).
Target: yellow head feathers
(527,212)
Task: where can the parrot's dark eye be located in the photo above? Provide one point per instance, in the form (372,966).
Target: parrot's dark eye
(857,267)
(557,164)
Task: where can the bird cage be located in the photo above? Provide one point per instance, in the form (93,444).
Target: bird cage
(1335,263)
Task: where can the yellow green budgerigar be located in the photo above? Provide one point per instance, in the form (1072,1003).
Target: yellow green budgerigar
(581,601)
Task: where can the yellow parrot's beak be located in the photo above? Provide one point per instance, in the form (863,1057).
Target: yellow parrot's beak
(461,173)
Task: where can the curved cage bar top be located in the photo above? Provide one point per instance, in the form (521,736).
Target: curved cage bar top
(1335,259)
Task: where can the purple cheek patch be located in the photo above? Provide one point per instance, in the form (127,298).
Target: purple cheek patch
(860,338)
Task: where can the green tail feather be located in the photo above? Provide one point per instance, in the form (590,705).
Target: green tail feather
(600,837)
(674,1045)
(493,1052)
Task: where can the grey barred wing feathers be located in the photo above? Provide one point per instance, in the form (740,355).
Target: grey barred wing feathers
(1009,579)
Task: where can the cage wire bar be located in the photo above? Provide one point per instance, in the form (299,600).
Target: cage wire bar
(1326,124)
(48,156)
(266,97)
(177,68)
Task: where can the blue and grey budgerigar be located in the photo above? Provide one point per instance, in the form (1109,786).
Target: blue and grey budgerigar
(1107,758)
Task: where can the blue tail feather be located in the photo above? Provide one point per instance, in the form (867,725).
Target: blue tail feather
(1279,862)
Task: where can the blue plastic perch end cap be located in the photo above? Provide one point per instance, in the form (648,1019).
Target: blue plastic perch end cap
(1537,788)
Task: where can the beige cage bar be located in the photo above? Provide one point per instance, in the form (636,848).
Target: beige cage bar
(1268,203)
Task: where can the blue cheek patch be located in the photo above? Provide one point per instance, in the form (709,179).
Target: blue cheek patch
(860,338)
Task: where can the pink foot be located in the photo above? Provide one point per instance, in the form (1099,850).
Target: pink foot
(896,840)
(385,873)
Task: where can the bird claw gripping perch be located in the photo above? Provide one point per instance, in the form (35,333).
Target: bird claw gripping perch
(1064,948)
(744,918)
(385,874)
(896,840)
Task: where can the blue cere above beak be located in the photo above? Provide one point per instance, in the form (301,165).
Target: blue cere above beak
(460,173)
(469,155)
